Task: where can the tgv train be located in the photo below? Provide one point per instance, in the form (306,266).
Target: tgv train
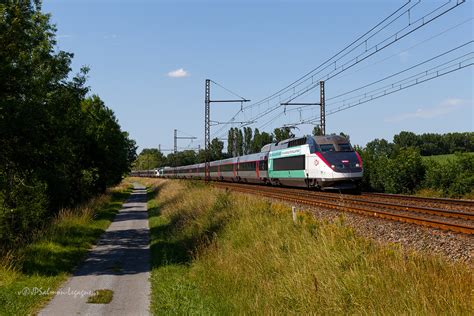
(326,162)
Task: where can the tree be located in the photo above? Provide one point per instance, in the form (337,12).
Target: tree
(406,139)
(317,131)
(247,140)
(107,147)
(346,136)
(239,142)
(231,142)
(57,147)
(283,133)
(216,149)
(149,158)
(380,147)
(256,142)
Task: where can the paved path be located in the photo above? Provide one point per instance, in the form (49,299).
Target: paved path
(120,262)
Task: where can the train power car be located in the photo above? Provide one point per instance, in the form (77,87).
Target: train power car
(325,162)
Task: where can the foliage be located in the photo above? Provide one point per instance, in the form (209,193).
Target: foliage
(247,140)
(317,131)
(454,177)
(58,147)
(283,133)
(246,144)
(150,158)
(102,296)
(395,168)
(399,171)
(436,144)
(216,149)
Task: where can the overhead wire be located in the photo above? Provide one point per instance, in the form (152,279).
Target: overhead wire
(402,71)
(410,81)
(422,21)
(274,95)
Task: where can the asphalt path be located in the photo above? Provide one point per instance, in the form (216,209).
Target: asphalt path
(119,262)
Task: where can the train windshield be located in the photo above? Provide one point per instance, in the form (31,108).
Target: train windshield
(339,147)
(345,147)
(327,147)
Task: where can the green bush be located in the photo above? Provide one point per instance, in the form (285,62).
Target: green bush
(22,209)
(454,177)
(391,171)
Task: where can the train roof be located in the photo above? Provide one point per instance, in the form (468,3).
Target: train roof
(254,157)
(308,139)
(330,139)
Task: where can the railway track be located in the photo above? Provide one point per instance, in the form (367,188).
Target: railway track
(467,203)
(371,205)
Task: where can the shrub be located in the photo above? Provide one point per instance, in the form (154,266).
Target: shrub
(454,177)
(401,171)
(22,211)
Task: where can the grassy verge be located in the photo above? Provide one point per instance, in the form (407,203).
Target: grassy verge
(29,276)
(215,252)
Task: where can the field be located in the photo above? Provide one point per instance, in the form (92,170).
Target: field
(30,275)
(215,252)
(441,158)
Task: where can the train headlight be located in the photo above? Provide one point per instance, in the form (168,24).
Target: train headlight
(333,166)
(357,165)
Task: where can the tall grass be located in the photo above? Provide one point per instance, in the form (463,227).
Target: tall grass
(215,252)
(30,274)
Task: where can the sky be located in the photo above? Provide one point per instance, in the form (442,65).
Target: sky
(149,61)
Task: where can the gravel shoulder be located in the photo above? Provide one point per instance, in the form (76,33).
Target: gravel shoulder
(456,247)
(120,262)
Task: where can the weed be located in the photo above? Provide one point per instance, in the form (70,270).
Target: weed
(101,297)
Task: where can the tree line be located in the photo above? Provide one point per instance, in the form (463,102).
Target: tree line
(59,146)
(436,144)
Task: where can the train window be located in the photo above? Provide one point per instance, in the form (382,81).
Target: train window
(297,142)
(345,147)
(247,166)
(227,167)
(263,165)
(213,168)
(290,163)
(326,147)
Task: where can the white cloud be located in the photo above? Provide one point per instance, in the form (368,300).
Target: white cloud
(178,73)
(110,36)
(445,107)
(404,57)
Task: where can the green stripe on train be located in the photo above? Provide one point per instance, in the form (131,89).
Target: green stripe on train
(283,174)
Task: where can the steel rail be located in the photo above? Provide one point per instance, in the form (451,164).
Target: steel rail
(395,206)
(422,199)
(466,229)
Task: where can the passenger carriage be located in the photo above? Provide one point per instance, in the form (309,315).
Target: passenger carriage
(253,168)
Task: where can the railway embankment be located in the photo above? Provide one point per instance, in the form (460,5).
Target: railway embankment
(216,251)
(31,274)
